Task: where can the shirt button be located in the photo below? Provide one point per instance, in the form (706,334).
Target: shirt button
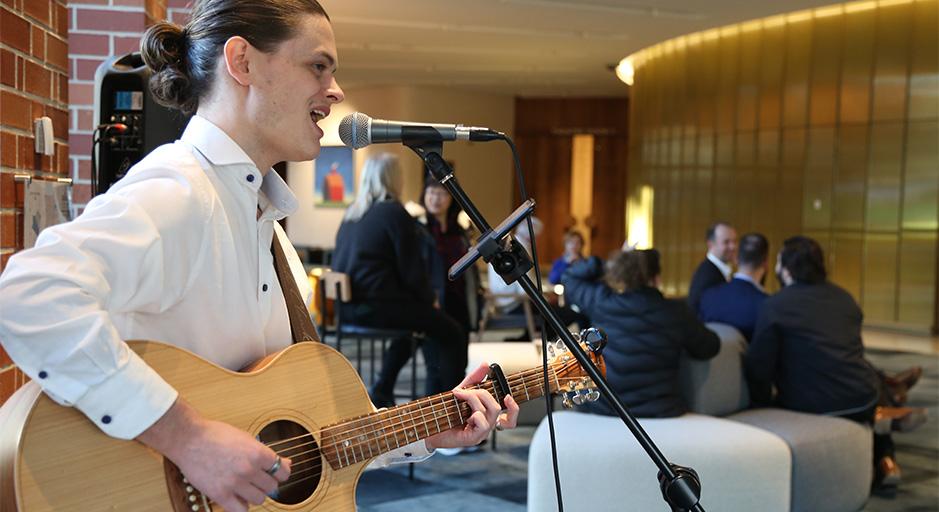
(106,419)
(43,374)
(264,288)
(250,178)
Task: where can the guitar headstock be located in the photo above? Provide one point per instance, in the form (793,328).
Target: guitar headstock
(572,380)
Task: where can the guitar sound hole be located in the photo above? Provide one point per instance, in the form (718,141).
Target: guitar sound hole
(291,440)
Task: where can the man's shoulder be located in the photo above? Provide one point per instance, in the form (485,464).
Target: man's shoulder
(170,161)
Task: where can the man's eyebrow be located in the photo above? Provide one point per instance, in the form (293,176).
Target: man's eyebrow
(329,58)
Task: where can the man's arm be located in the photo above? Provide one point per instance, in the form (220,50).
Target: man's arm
(761,357)
(582,285)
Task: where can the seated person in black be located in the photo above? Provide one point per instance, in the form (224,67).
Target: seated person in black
(717,266)
(807,343)
(647,332)
(378,247)
(738,302)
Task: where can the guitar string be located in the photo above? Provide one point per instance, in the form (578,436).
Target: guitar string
(358,449)
(358,446)
(410,410)
(369,442)
(514,379)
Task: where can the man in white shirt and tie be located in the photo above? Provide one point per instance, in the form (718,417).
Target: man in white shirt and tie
(717,267)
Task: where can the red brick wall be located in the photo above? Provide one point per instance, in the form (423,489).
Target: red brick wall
(33,84)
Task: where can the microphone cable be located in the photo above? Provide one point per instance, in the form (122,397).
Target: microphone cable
(544,332)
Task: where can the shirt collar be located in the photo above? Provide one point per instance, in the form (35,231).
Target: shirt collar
(747,278)
(723,267)
(217,147)
(221,150)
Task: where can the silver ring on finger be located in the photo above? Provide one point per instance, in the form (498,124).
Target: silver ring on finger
(274,467)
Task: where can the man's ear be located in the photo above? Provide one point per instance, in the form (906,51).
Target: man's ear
(236,52)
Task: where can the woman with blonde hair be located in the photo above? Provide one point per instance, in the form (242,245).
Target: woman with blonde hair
(379,246)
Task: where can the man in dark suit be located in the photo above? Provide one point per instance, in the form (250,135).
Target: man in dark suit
(738,302)
(807,343)
(716,268)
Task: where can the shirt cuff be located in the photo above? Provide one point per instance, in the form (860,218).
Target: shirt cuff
(129,401)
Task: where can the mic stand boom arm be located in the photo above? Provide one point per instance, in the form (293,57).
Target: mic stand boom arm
(680,486)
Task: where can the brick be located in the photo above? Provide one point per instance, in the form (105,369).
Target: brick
(79,144)
(7,190)
(179,17)
(89,44)
(27,154)
(84,69)
(84,119)
(61,151)
(10,3)
(7,68)
(20,195)
(19,72)
(61,20)
(179,4)
(63,88)
(14,31)
(4,258)
(8,381)
(14,111)
(7,230)
(5,360)
(84,167)
(39,10)
(56,52)
(128,3)
(81,94)
(81,193)
(38,45)
(7,159)
(38,80)
(99,19)
(123,45)
(59,122)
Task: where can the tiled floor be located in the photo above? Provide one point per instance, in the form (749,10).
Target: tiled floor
(900,342)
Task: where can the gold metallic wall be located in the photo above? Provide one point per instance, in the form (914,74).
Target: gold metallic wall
(822,122)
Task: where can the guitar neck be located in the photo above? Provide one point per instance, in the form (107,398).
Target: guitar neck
(359,439)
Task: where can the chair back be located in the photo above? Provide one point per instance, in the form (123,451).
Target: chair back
(336,285)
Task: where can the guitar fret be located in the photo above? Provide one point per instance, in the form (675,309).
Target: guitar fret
(446,414)
(458,411)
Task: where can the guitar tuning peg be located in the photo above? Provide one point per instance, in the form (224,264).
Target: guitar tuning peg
(559,346)
(571,386)
(593,396)
(550,350)
(567,402)
(578,399)
(595,338)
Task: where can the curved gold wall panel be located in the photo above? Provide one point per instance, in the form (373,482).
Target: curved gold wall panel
(821,122)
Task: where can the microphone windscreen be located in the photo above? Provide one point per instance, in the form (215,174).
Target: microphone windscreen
(354,129)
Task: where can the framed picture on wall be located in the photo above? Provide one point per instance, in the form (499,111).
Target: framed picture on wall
(334,177)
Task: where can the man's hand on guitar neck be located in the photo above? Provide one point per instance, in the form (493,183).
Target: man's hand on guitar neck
(224,463)
(487,413)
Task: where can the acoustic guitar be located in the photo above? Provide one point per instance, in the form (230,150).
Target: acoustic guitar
(305,402)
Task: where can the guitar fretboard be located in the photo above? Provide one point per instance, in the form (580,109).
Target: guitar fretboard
(359,439)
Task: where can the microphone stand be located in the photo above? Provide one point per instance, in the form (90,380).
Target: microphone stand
(680,486)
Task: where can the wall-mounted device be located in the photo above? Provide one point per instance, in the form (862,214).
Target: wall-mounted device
(42,134)
(129,123)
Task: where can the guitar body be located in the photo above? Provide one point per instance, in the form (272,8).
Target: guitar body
(53,459)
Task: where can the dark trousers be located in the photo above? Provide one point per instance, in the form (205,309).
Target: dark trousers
(883,443)
(444,346)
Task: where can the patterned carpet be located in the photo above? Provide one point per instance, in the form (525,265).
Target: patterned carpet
(497,480)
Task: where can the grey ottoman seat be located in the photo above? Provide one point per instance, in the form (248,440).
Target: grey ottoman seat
(831,457)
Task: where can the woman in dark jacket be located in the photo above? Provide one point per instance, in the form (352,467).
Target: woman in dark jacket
(647,332)
(378,247)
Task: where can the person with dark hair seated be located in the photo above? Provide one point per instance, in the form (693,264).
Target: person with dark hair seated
(573,251)
(647,332)
(738,302)
(807,344)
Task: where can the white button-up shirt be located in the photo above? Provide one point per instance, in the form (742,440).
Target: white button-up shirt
(725,268)
(174,252)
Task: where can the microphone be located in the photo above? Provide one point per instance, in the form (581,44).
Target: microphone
(357,130)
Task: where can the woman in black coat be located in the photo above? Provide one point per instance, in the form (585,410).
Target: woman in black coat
(647,332)
(378,246)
